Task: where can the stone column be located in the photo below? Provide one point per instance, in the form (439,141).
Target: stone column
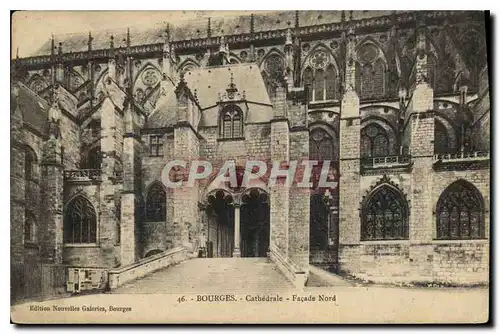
(237,251)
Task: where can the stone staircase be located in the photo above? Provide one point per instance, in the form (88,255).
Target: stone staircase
(212,275)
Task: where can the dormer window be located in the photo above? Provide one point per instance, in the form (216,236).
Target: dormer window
(231,123)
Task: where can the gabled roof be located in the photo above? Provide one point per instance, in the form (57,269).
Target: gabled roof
(209,82)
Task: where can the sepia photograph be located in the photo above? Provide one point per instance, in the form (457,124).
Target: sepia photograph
(250,167)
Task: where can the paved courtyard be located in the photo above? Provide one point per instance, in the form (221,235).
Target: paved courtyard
(214,275)
(252,290)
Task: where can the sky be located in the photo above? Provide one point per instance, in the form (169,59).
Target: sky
(31,29)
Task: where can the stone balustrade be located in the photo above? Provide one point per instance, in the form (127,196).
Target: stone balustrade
(386,162)
(462,156)
(82,175)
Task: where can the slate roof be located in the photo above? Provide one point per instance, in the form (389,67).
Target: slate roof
(210,81)
(197,28)
(165,113)
(33,107)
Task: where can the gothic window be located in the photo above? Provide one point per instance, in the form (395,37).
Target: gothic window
(30,164)
(460,212)
(93,158)
(29,228)
(384,215)
(156,203)
(374,141)
(80,223)
(321,145)
(331,88)
(319,85)
(308,81)
(441,139)
(370,72)
(321,76)
(156,145)
(231,122)
(274,67)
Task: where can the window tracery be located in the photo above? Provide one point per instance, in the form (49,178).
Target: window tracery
(321,76)
(231,122)
(274,67)
(460,212)
(80,224)
(374,141)
(384,215)
(370,72)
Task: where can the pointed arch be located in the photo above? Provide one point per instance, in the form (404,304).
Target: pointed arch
(321,47)
(99,86)
(378,138)
(321,73)
(234,59)
(385,213)
(271,52)
(368,40)
(273,69)
(80,221)
(73,79)
(30,164)
(371,71)
(30,228)
(308,79)
(323,142)
(187,65)
(445,138)
(460,212)
(156,202)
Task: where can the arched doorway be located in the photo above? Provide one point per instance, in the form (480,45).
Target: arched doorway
(254,223)
(324,206)
(220,224)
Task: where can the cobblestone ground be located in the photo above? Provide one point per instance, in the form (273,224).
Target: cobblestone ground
(215,275)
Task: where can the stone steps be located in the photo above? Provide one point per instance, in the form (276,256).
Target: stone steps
(212,275)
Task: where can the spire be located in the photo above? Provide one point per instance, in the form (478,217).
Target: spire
(128,37)
(52,45)
(288,41)
(59,50)
(17,53)
(209,28)
(89,43)
(111,42)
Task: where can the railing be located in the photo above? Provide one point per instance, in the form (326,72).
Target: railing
(122,275)
(82,174)
(386,162)
(462,156)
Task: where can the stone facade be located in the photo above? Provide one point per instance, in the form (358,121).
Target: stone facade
(104,119)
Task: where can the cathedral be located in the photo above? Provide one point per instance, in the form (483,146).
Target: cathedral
(396,101)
